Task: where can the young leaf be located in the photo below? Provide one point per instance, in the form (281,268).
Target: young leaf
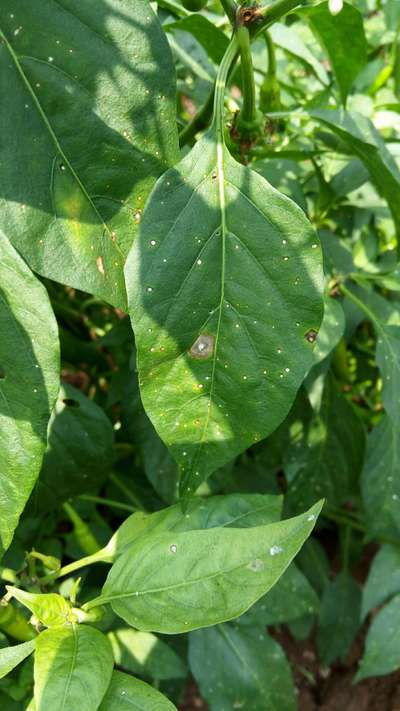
(364,141)
(145,654)
(29,381)
(380,479)
(382,647)
(50,609)
(79,451)
(126,692)
(216,372)
(383,578)
(73,667)
(333,31)
(174,582)
(92,113)
(339,617)
(241,668)
(10,657)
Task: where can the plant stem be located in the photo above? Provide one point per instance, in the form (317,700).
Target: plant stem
(230,9)
(174,7)
(274,12)
(271,69)
(248,111)
(199,122)
(220,85)
(101,556)
(360,305)
(108,502)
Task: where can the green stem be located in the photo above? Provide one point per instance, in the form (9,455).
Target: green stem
(199,122)
(360,305)
(271,69)
(230,9)
(220,85)
(127,492)
(274,12)
(108,502)
(101,556)
(174,7)
(248,112)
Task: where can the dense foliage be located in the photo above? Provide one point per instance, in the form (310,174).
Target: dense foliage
(199,348)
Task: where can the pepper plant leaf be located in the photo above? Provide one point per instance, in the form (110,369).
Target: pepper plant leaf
(73,667)
(126,693)
(29,381)
(382,646)
(10,657)
(89,125)
(216,371)
(174,582)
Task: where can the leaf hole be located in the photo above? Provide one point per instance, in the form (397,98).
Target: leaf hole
(70,402)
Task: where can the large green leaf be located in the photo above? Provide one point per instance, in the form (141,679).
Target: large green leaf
(224,286)
(388,360)
(383,578)
(382,647)
(334,31)
(73,667)
(10,657)
(130,694)
(241,668)
(364,141)
(339,617)
(174,582)
(380,479)
(79,451)
(29,381)
(88,127)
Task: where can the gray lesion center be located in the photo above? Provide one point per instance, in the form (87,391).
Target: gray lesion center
(203,347)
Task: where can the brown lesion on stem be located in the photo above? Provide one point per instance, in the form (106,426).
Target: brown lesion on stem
(248,15)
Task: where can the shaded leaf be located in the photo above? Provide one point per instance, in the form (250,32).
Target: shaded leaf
(217,373)
(339,617)
(29,381)
(211,38)
(92,113)
(145,654)
(382,646)
(383,578)
(79,451)
(241,668)
(333,31)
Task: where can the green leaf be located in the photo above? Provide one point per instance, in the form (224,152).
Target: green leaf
(333,453)
(383,578)
(50,609)
(29,381)
(145,654)
(241,668)
(126,692)
(216,372)
(363,139)
(174,582)
(79,452)
(10,657)
(291,597)
(73,667)
(92,113)
(331,330)
(339,617)
(288,39)
(388,361)
(382,647)
(211,38)
(233,510)
(347,58)
(380,480)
